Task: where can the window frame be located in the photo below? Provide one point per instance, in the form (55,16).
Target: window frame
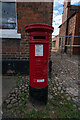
(10,33)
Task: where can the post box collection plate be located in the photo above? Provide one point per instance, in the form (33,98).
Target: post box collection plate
(39,50)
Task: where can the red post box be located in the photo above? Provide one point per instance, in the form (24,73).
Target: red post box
(38,61)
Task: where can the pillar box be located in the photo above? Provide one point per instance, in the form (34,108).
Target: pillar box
(38,61)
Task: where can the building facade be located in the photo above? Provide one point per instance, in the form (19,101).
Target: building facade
(15,41)
(69,33)
(55,43)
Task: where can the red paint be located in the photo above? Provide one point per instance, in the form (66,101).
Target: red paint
(38,65)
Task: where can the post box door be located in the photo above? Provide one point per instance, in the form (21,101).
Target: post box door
(39,65)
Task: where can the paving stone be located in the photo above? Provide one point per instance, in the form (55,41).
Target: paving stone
(16,104)
(13,95)
(61,103)
(74,105)
(76,95)
(8,101)
(11,98)
(9,106)
(79,108)
(53,112)
(26,85)
(59,88)
(13,101)
(69,98)
(50,96)
(62,91)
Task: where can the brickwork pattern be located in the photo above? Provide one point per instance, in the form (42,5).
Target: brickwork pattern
(66,11)
(71,31)
(77,33)
(10,48)
(27,13)
(56,47)
(70,26)
(34,13)
(62,32)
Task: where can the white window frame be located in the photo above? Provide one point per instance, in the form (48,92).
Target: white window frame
(7,0)
(9,33)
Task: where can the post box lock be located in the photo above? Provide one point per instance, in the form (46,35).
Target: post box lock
(39,50)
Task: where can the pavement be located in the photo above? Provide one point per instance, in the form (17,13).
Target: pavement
(65,77)
(66,70)
(8,83)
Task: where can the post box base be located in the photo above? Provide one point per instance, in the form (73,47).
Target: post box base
(38,96)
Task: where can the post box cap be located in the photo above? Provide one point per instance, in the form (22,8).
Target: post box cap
(39,27)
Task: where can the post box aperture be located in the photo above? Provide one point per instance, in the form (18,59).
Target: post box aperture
(38,61)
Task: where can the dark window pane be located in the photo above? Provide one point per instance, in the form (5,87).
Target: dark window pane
(62,42)
(8,15)
(69,40)
(59,42)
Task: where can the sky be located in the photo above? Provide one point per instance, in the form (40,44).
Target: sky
(57,14)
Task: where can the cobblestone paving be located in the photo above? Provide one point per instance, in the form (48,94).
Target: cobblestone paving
(16,97)
(64,81)
(65,70)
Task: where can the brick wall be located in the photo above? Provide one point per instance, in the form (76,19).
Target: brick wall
(18,49)
(76,50)
(62,32)
(71,31)
(66,11)
(28,13)
(56,38)
(10,48)
(63,28)
(70,26)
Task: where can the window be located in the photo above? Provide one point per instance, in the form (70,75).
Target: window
(8,28)
(59,42)
(62,42)
(8,15)
(70,39)
(54,43)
